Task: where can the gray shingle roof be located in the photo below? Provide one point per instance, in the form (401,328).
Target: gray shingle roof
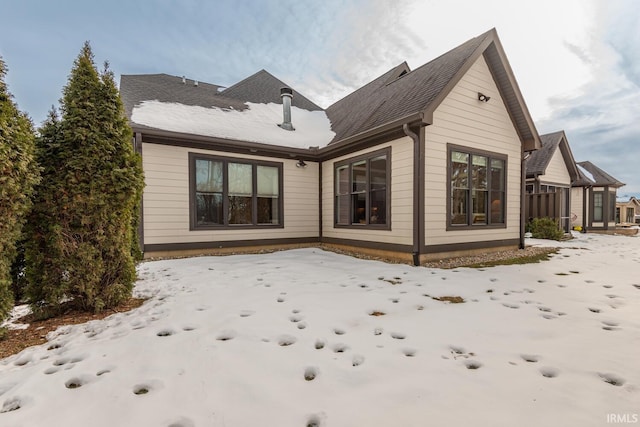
(136,88)
(386,98)
(601,178)
(399,93)
(263,88)
(538,161)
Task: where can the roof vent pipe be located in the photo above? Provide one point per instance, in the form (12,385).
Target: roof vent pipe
(287,95)
(184,80)
(195,83)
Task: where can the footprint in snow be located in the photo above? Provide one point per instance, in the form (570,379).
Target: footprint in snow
(531,358)
(166,332)
(610,326)
(357,360)
(514,306)
(310,373)
(472,364)
(612,379)
(301,325)
(286,340)
(338,331)
(319,344)
(295,318)
(247,313)
(182,422)
(398,335)
(340,348)
(226,335)
(549,372)
(409,352)
(594,310)
(11,404)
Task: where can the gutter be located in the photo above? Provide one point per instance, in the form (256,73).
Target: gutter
(523,179)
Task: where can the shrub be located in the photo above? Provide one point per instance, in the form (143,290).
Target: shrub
(18,175)
(545,228)
(82,235)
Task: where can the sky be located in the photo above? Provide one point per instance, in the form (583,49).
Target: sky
(577,62)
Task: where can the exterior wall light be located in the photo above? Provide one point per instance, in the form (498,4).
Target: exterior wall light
(482,97)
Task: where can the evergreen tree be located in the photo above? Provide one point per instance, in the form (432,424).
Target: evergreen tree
(95,186)
(18,174)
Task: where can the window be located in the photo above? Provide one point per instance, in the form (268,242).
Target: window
(477,185)
(597,206)
(234,192)
(362,190)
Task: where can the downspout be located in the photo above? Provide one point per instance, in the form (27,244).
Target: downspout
(137,146)
(584,209)
(417,165)
(523,178)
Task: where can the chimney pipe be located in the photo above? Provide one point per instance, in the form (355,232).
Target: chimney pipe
(287,95)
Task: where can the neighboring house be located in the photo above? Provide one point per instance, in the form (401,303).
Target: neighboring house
(593,198)
(417,164)
(550,172)
(627,210)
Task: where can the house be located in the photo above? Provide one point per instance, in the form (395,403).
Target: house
(415,165)
(549,174)
(627,210)
(593,198)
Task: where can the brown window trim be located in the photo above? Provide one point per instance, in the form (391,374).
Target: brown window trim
(193,225)
(348,162)
(491,156)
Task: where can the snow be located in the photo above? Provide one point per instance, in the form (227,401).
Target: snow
(17,312)
(258,123)
(288,339)
(586,173)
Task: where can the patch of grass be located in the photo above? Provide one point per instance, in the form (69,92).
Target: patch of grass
(450,299)
(4,333)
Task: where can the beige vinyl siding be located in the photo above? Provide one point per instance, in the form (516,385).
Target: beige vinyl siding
(556,172)
(166,199)
(464,121)
(401,197)
(577,201)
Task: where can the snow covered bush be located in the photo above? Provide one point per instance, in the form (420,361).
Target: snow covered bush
(81,231)
(18,174)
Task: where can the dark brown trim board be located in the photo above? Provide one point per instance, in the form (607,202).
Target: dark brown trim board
(177,247)
(388,247)
(469,246)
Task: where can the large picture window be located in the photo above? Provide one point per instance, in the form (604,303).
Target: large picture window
(362,186)
(476,190)
(227,192)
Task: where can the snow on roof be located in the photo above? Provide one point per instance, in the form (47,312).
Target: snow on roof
(258,123)
(586,173)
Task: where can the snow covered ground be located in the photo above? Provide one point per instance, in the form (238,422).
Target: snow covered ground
(289,339)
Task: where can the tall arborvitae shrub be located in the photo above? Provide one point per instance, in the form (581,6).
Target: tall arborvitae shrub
(18,174)
(95,189)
